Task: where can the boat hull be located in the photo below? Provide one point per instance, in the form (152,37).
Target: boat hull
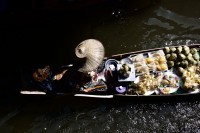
(128,97)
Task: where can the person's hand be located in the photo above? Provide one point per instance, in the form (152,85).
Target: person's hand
(59,76)
(88,89)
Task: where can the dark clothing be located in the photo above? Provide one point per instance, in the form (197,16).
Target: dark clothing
(72,80)
(47,84)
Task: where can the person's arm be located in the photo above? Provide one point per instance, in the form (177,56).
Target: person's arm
(93,88)
(59,76)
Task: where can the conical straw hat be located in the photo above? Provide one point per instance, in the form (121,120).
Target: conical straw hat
(93,51)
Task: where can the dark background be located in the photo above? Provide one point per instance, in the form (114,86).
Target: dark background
(32,32)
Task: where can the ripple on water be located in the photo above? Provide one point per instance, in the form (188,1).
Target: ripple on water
(166,117)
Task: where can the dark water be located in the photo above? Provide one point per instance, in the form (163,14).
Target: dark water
(123,27)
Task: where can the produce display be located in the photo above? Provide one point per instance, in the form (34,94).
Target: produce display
(147,83)
(140,64)
(160,60)
(182,56)
(191,78)
(164,71)
(150,62)
(124,71)
(170,83)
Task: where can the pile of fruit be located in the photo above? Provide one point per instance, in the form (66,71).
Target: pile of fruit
(181,56)
(124,70)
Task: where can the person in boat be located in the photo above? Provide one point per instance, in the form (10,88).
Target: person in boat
(64,79)
(70,79)
(88,55)
(44,79)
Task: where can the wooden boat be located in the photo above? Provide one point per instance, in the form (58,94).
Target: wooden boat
(166,73)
